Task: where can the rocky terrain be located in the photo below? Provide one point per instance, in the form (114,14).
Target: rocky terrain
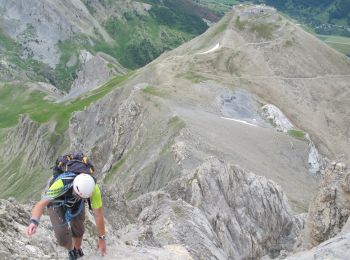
(184,212)
(234,214)
(215,150)
(44,40)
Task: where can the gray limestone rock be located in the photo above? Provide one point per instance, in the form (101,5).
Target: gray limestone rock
(14,218)
(276,117)
(15,244)
(330,208)
(337,248)
(32,140)
(40,25)
(233,213)
(94,72)
(107,128)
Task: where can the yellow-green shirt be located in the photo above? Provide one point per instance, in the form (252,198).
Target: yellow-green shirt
(58,189)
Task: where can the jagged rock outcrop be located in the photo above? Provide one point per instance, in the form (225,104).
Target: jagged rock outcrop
(14,218)
(39,25)
(15,244)
(330,208)
(219,211)
(337,248)
(105,130)
(116,208)
(216,212)
(279,121)
(316,161)
(276,117)
(96,69)
(27,152)
(31,139)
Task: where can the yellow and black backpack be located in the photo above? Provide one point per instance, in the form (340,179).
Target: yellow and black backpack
(76,163)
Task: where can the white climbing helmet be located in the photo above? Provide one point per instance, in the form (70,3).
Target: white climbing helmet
(84,185)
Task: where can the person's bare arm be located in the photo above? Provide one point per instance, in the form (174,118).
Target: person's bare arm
(37,212)
(101,230)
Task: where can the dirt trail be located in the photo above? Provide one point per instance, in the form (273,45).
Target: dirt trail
(318,77)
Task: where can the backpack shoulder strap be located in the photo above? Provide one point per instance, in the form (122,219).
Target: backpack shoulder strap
(66,176)
(67,179)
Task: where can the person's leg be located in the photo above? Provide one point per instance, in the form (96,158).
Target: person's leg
(77,242)
(61,229)
(78,229)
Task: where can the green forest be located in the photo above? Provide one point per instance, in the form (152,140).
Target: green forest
(329,17)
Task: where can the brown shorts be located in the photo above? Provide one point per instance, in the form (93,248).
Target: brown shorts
(65,231)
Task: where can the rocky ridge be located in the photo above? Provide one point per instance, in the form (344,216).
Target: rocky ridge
(95,71)
(235,214)
(215,205)
(38,33)
(327,226)
(39,40)
(28,148)
(168,153)
(164,218)
(329,209)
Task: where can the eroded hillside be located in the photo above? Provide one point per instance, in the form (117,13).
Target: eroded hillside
(210,150)
(43,40)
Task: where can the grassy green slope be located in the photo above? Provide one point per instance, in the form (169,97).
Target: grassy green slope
(18,67)
(141,38)
(21,67)
(15,180)
(342,44)
(19,182)
(16,100)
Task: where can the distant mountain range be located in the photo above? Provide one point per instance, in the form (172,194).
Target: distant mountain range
(324,16)
(38,39)
(42,41)
(210,151)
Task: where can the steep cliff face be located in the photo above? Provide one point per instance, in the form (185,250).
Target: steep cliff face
(334,248)
(129,141)
(45,23)
(26,157)
(327,226)
(235,214)
(217,211)
(330,209)
(39,40)
(95,70)
(107,128)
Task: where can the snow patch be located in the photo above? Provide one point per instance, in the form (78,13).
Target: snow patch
(212,49)
(275,116)
(237,120)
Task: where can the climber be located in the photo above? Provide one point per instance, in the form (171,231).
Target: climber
(65,201)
